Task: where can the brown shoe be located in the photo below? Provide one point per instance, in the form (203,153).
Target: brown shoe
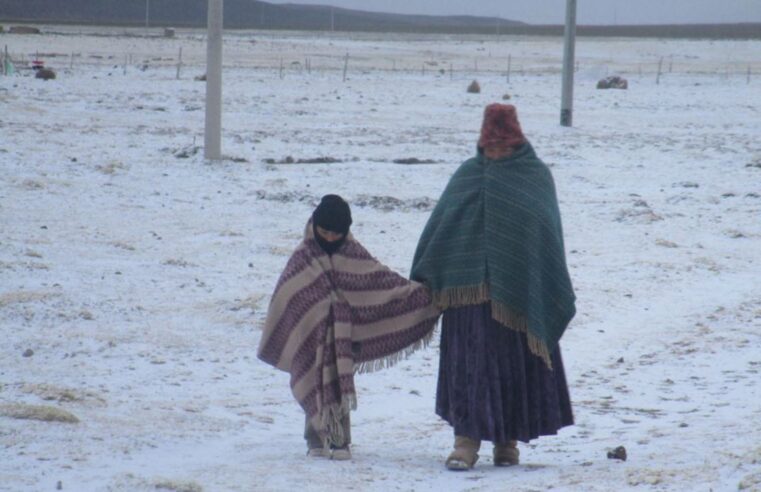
(465,454)
(506,454)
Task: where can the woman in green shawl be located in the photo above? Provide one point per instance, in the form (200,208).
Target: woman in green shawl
(492,254)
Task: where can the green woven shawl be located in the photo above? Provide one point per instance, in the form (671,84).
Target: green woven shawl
(495,236)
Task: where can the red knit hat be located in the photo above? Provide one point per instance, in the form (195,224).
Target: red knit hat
(501,127)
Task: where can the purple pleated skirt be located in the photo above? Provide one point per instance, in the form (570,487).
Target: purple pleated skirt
(491,387)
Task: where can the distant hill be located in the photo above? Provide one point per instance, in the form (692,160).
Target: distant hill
(239,14)
(255,14)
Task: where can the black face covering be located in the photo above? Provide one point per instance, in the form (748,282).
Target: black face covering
(332,214)
(328,246)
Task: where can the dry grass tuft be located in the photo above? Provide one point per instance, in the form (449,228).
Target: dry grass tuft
(179,486)
(42,413)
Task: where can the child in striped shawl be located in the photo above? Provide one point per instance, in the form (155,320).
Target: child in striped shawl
(337,310)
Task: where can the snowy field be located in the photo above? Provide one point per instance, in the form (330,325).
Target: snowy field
(134,276)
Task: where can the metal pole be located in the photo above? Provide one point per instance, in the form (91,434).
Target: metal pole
(213,132)
(147,9)
(566,103)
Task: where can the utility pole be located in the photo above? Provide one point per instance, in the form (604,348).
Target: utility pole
(566,103)
(213,131)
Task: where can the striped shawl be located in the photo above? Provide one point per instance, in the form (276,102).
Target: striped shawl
(495,236)
(333,315)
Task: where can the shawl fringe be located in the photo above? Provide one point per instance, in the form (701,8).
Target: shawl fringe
(331,420)
(461,296)
(502,314)
(391,360)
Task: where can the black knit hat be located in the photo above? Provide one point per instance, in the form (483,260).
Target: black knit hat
(333,214)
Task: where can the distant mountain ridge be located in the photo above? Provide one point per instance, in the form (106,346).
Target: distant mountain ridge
(238,14)
(256,14)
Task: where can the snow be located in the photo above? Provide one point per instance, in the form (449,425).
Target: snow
(140,279)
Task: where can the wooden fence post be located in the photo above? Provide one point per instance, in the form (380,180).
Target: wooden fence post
(179,63)
(658,76)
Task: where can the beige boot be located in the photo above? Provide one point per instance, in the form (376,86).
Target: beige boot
(318,453)
(465,454)
(340,454)
(506,454)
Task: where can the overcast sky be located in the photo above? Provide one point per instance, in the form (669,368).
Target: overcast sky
(552,11)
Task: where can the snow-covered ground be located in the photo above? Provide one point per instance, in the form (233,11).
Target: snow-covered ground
(134,275)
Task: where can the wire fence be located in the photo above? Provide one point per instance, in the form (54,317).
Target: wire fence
(342,57)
